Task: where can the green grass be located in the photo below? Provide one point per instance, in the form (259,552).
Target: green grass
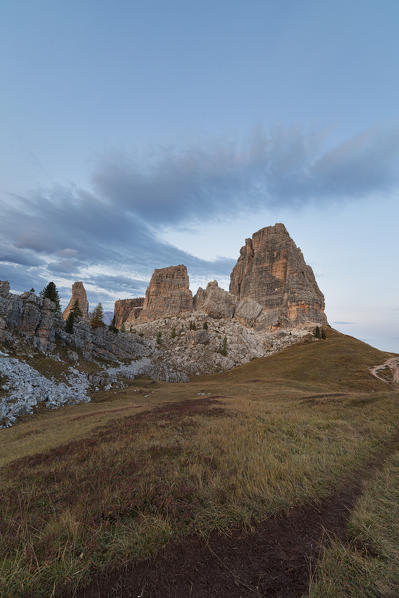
(94,486)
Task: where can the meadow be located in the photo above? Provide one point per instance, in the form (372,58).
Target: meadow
(100,499)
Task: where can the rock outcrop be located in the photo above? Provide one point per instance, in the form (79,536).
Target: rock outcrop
(272,272)
(79,295)
(214,301)
(168,294)
(127,310)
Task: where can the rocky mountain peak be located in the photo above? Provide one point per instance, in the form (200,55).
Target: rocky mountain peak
(79,295)
(167,294)
(271,271)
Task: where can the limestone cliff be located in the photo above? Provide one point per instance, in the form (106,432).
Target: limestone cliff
(168,294)
(214,301)
(79,295)
(127,310)
(272,272)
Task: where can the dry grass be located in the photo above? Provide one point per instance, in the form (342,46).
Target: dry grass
(97,485)
(368,565)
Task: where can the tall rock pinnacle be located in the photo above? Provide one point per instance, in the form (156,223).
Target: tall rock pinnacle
(168,294)
(271,270)
(79,295)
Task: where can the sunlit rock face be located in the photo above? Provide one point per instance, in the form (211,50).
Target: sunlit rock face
(127,311)
(79,295)
(272,272)
(168,294)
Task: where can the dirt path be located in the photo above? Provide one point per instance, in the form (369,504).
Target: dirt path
(273,561)
(393,365)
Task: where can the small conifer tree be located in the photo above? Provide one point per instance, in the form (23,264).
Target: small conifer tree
(50,292)
(70,322)
(77,312)
(32,290)
(159,338)
(205,326)
(173,333)
(97,317)
(317,332)
(323,334)
(123,328)
(112,326)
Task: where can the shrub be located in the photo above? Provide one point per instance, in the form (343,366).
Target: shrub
(223,349)
(193,325)
(323,334)
(317,332)
(205,326)
(159,338)
(173,333)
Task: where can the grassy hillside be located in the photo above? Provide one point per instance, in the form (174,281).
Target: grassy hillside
(89,489)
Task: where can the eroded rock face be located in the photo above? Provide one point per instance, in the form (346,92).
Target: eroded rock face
(79,295)
(168,294)
(127,310)
(272,272)
(214,301)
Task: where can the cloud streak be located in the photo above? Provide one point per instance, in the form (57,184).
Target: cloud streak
(113,226)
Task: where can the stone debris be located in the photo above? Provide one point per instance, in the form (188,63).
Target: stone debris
(26,388)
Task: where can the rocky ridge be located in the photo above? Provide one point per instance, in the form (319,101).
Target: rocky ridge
(271,287)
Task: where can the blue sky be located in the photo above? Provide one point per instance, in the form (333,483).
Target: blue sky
(136,135)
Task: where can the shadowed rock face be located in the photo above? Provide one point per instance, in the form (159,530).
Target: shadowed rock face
(79,295)
(272,272)
(214,301)
(168,294)
(127,310)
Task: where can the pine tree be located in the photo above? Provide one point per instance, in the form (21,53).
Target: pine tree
(32,290)
(76,311)
(50,292)
(97,317)
(323,334)
(112,326)
(317,332)
(70,322)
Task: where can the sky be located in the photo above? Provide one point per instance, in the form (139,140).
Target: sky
(137,135)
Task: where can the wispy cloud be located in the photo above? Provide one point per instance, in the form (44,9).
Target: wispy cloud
(63,231)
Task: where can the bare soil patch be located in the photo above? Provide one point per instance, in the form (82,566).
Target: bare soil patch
(275,560)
